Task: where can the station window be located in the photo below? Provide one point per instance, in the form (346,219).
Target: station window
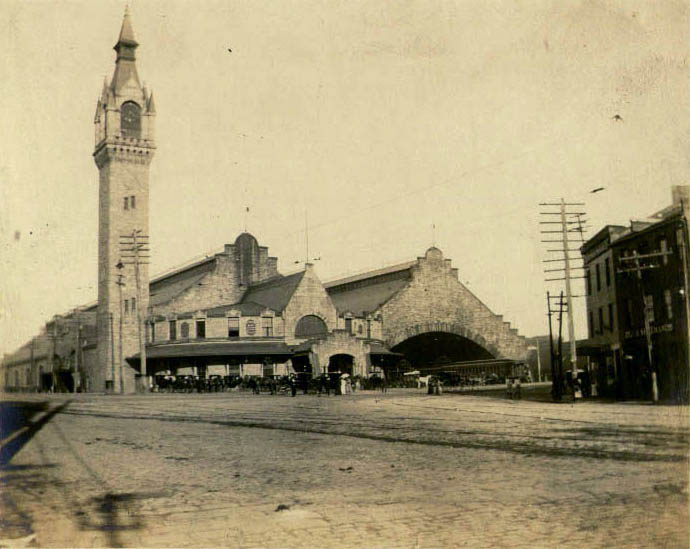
(173,330)
(348,325)
(601,320)
(589,282)
(369,329)
(134,304)
(607,269)
(669,304)
(267,325)
(153,332)
(233,326)
(132,202)
(126,202)
(611,319)
(184,331)
(598,277)
(126,306)
(200,329)
(591,324)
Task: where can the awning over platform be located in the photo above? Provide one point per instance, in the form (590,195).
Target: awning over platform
(379,349)
(216,349)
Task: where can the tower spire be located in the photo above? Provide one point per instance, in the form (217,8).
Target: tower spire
(125,66)
(126,33)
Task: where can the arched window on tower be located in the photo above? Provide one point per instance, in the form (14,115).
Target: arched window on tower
(130,120)
(310,326)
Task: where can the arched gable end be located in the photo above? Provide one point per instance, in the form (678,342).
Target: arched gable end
(436,301)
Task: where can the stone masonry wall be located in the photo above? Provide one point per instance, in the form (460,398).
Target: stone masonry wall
(310,298)
(435,300)
(340,342)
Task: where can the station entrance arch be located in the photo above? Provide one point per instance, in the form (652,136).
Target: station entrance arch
(440,347)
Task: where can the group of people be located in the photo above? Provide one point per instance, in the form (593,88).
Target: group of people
(336,383)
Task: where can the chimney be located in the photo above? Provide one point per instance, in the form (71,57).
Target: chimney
(680,194)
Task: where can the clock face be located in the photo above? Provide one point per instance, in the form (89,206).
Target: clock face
(130,120)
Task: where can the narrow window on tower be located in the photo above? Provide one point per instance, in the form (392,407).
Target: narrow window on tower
(126,203)
(132,202)
(134,304)
(126,306)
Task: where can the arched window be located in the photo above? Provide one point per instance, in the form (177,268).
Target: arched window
(310,326)
(130,120)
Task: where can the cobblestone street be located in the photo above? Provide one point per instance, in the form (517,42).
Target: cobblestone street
(397,470)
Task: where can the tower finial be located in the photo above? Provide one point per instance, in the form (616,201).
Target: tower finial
(126,33)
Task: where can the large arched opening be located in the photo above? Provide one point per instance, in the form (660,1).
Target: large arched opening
(341,364)
(435,348)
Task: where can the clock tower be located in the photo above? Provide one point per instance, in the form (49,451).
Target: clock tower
(124,147)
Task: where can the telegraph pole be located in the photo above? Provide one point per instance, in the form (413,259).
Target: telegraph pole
(568,222)
(648,308)
(134,248)
(120,283)
(569,295)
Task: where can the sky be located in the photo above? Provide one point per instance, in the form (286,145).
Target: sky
(385,127)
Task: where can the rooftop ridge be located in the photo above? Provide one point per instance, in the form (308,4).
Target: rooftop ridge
(370,274)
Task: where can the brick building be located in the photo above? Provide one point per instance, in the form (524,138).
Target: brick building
(637,304)
(235,314)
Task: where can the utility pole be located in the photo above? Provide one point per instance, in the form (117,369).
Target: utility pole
(568,295)
(560,346)
(648,306)
(568,222)
(133,248)
(120,283)
(553,365)
(681,232)
(112,353)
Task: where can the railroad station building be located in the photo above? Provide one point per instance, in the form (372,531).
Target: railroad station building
(234,313)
